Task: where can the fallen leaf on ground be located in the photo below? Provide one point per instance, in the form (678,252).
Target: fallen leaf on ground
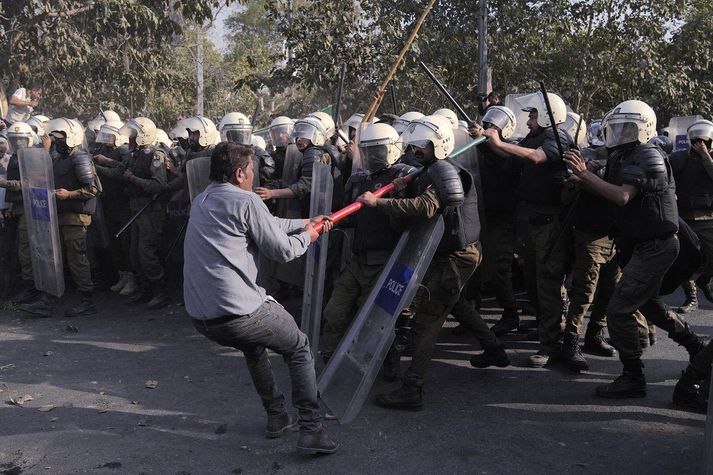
(46,408)
(151,384)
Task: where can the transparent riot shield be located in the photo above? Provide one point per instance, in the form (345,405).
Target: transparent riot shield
(256,171)
(197,173)
(678,128)
(42,223)
(316,260)
(521,116)
(348,377)
(290,208)
(358,165)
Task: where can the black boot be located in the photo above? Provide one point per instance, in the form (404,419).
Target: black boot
(630,384)
(704,282)
(141,295)
(408,397)
(28,295)
(44,307)
(160,297)
(595,343)
(691,302)
(312,443)
(492,356)
(507,323)
(688,395)
(391,369)
(689,340)
(572,355)
(85,307)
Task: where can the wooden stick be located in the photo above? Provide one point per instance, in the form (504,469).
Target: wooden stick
(382,89)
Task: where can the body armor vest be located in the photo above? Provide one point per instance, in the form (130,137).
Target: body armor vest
(541,183)
(65,177)
(694,187)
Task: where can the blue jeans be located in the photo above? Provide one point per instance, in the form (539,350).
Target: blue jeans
(271,326)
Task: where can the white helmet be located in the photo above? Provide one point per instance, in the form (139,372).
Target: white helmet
(37,123)
(572,124)
(109,134)
(179,131)
(450,115)
(380,146)
(235,127)
(257,141)
(326,120)
(700,129)
(536,101)
(205,127)
(142,128)
(595,133)
(431,128)
(280,131)
(402,122)
(72,130)
(503,118)
(310,128)
(163,139)
(628,122)
(103,117)
(20,135)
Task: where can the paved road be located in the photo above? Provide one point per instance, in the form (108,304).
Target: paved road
(92,412)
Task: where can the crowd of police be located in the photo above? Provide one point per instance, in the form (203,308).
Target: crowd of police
(594,225)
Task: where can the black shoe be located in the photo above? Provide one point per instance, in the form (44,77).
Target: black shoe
(140,296)
(645,341)
(625,386)
(407,397)
(688,394)
(690,305)
(652,339)
(689,340)
(495,356)
(278,425)
(44,307)
(595,343)
(508,322)
(704,282)
(312,443)
(159,300)
(29,295)
(85,308)
(572,355)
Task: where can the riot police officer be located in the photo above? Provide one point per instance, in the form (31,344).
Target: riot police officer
(639,181)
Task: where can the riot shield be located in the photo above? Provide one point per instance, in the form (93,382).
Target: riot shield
(290,208)
(42,224)
(521,117)
(678,128)
(316,260)
(358,165)
(197,173)
(348,377)
(256,171)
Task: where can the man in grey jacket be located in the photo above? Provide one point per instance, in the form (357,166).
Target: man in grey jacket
(229,227)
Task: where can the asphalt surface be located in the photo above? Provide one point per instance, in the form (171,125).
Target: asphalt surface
(133,391)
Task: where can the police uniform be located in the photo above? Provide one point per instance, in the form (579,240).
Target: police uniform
(540,191)
(646,229)
(457,256)
(694,190)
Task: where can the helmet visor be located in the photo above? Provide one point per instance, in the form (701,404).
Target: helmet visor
(303,130)
(106,137)
(280,135)
(16,143)
(621,132)
(241,136)
(375,157)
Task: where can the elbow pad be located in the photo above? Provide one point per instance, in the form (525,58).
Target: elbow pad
(447,184)
(83,168)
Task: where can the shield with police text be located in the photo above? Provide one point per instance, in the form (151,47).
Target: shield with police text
(316,258)
(197,174)
(678,131)
(348,377)
(38,194)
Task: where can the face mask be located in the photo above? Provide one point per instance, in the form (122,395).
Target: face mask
(62,147)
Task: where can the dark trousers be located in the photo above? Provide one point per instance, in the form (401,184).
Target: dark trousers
(272,327)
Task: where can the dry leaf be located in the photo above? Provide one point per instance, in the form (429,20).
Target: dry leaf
(46,408)
(151,384)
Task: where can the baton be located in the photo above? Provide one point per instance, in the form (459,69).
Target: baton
(135,217)
(357,205)
(340,91)
(445,92)
(393,99)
